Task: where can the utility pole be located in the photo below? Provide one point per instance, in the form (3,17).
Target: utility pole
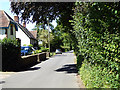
(48,35)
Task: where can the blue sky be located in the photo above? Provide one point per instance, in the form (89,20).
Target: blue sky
(5,5)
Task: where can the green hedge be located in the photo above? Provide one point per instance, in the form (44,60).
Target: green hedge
(37,51)
(10,53)
(97,31)
(43,49)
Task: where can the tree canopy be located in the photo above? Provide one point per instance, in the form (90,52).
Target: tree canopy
(41,11)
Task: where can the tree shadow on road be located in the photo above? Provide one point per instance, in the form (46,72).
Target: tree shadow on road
(29,69)
(69,68)
(2,82)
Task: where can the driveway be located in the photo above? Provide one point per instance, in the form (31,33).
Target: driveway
(56,72)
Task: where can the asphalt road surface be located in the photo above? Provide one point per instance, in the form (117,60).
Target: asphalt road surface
(57,72)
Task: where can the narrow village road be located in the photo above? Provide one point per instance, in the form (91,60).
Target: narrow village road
(57,72)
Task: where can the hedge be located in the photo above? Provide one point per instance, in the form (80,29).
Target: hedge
(10,53)
(97,31)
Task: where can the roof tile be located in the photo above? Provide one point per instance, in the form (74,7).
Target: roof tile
(34,33)
(4,22)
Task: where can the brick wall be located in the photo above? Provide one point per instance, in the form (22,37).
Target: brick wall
(41,56)
(30,60)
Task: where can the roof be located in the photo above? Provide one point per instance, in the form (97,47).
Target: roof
(34,33)
(5,20)
(25,30)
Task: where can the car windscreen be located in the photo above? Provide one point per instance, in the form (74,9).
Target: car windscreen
(26,49)
(22,48)
(57,49)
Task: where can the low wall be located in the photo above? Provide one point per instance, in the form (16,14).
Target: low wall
(41,57)
(47,54)
(24,62)
(30,60)
(50,54)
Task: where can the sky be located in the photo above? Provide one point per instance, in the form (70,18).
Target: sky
(5,5)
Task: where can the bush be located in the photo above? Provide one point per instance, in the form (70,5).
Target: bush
(30,45)
(44,49)
(52,54)
(25,45)
(96,76)
(37,51)
(10,53)
(97,33)
(65,48)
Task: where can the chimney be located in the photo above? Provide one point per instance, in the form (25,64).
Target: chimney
(24,24)
(16,19)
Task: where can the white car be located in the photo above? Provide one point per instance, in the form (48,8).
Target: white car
(58,51)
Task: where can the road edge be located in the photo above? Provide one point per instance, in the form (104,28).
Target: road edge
(79,80)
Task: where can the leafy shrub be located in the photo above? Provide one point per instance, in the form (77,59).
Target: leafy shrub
(96,76)
(25,45)
(96,29)
(44,49)
(41,50)
(52,54)
(39,46)
(37,51)
(65,48)
(10,53)
(30,45)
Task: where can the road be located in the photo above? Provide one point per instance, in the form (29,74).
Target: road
(57,72)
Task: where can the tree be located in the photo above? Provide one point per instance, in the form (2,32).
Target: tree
(62,38)
(41,11)
(41,26)
(43,36)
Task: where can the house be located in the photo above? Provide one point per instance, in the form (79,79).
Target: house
(24,34)
(34,33)
(8,26)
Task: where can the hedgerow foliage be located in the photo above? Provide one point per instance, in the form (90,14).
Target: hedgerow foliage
(10,54)
(97,29)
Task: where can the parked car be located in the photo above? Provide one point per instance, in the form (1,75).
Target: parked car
(58,51)
(26,50)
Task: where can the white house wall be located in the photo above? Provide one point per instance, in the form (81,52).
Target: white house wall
(24,38)
(2,36)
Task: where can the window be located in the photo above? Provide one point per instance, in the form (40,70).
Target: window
(2,32)
(11,30)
